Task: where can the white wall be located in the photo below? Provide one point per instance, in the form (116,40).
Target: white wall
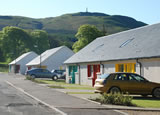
(84,79)
(67,74)
(151,69)
(23,63)
(109,68)
(57,59)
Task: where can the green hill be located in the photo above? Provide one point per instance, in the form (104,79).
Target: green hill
(62,29)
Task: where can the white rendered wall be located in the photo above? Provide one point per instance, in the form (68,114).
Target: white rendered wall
(57,59)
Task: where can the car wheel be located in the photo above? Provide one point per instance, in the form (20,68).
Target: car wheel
(114,90)
(33,76)
(156,93)
(54,78)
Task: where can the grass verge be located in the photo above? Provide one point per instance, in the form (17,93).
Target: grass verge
(146,102)
(60,84)
(71,87)
(80,93)
(3,67)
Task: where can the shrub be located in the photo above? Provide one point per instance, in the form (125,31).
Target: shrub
(30,78)
(115,98)
(3,67)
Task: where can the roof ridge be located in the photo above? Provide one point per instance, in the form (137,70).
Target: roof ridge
(130,30)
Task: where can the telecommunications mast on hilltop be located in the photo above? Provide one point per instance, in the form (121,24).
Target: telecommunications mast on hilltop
(86,9)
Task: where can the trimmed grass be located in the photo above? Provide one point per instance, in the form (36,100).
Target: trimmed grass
(147,102)
(80,93)
(60,84)
(72,87)
(3,67)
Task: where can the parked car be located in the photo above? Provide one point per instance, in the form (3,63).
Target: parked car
(61,74)
(126,82)
(41,73)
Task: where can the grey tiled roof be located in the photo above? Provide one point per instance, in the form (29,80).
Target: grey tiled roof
(44,56)
(21,57)
(143,42)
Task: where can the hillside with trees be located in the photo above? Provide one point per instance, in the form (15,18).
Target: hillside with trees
(56,31)
(62,29)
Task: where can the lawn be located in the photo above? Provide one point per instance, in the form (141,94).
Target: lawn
(3,67)
(146,102)
(80,93)
(60,84)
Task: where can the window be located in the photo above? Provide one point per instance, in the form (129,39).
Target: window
(120,77)
(72,69)
(92,70)
(127,67)
(126,42)
(137,77)
(89,70)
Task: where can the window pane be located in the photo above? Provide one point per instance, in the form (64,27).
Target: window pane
(138,78)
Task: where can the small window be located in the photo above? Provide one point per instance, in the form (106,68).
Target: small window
(104,76)
(98,47)
(121,77)
(44,70)
(126,42)
(138,78)
(131,78)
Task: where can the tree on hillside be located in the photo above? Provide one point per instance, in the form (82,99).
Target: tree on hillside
(14,42)
(85,35)
(40,41)
(1,53)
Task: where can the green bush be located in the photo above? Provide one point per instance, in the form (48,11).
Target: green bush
(3,67)
(30,78)
(116,98)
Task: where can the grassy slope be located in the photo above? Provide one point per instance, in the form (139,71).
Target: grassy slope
(66,26)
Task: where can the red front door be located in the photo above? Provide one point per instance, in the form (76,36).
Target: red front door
(17,68)
(29,67)
(96,69)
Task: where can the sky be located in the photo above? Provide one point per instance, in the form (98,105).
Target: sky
(142,10)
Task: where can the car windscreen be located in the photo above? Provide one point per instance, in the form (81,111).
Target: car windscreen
(104,76)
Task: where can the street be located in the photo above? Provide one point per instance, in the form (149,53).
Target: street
(13,102)
(38,100)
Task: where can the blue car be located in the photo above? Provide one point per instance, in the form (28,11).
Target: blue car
(41,73)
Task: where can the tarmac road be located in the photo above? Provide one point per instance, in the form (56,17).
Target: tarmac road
(14,102)
(23,97)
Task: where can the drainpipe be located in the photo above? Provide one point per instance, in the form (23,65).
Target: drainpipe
(79,73)
(102,67)
(140,65)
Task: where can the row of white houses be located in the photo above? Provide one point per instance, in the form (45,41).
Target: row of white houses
(51,59)
(136,50)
